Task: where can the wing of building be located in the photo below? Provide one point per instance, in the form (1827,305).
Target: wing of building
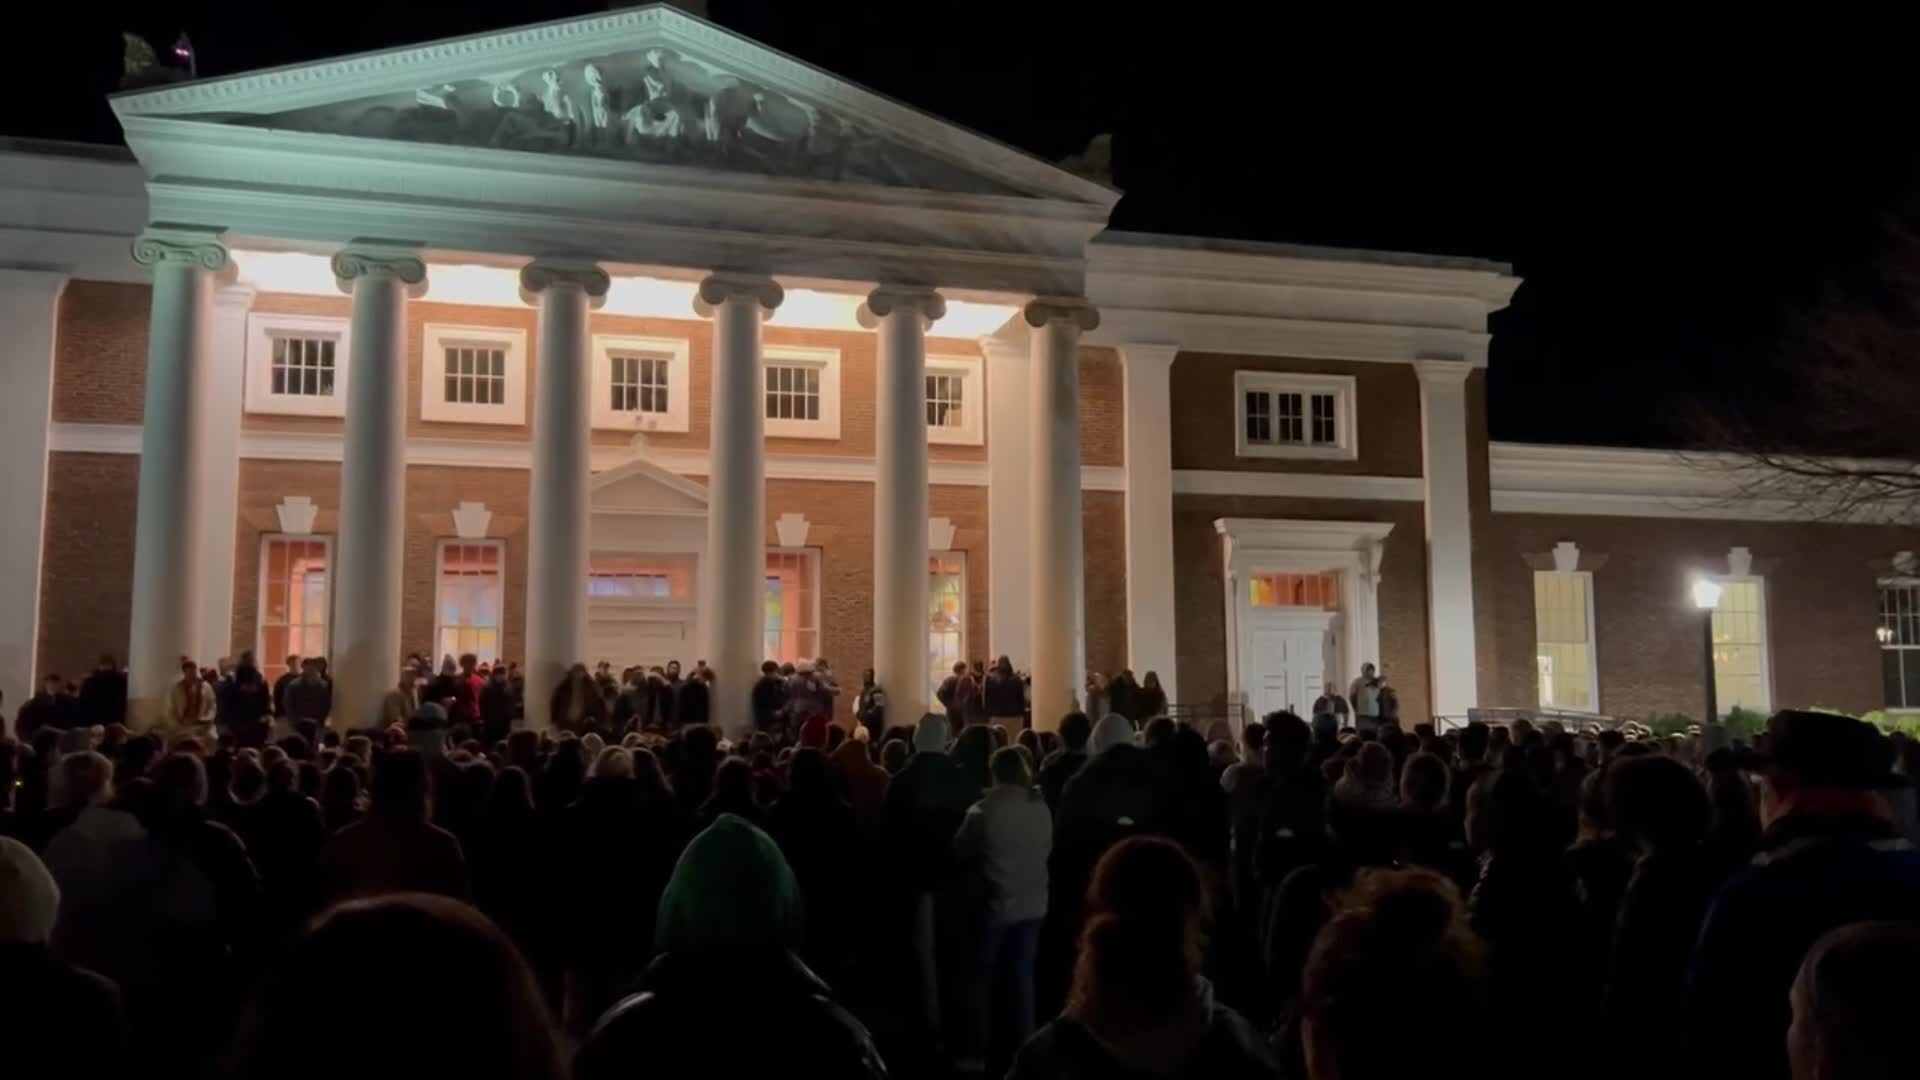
(626,338)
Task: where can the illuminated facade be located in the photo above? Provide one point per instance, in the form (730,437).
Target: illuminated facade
(625,338)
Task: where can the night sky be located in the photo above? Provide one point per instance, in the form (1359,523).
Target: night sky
(1677,183)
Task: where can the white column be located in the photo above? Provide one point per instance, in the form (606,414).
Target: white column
(1149,443)
(1443,429)
(1009,553)
(733,578)
(166,539)
(1058,586)
(901,317)
(562,472)
(220,469)
(364,643)
(29,309)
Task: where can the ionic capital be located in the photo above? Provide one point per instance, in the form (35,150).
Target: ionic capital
(718,288)
(1070,309)
(379,262)
(542,274)
(181,245)
(888,299)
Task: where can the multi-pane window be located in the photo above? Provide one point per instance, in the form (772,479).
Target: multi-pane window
(469,597)
(639,382)
(1899,633)
(946,400)
(475,374)
(641,577)
(1740,645)
(793,604)
(1284,414)
(793,392)
(946,614)
(293,600)
(1320,591)
(1563,639)
(302,366)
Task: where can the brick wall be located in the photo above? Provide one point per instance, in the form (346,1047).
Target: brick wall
(1200,600)
(1102,408)
(263,484)
(1104,538)
(1205,414)
(100,353)
(1821,597)
(86,573)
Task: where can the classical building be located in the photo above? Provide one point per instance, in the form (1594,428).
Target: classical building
(626,338)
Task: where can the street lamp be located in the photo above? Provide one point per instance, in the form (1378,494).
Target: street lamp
(1706,597)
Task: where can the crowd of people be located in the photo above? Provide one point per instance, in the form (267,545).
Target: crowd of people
(256,890)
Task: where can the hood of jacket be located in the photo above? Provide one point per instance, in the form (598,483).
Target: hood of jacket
(1114,730)
(731,890)
(930,735)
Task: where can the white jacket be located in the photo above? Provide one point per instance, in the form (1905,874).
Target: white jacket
(1009,832)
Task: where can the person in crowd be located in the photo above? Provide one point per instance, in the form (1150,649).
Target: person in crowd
(769,698)
(442,688)
(394,848)
(1469,765)
(103,693)
(284,833)
(497,706)
(870,706)
(92,848)
(925,804)
(1195,812)
(1123,697)
(1006,838)
(310,697)
(732,793)
(340,797)
(604,681)
(283,683)
(1367,783)
(865,783)
(693,705)
(1364,697)
(245,704)
(1830,855)
(428,966)
(1430,837)
(400,703)
(693,774)
(971,751)
(1398,953)
(895,755)
(1660,811)
(190,703)
(64,1022)
(1005,696)
(1138,1004)
(51,709)
(1093,696)
(955,695)
(1151,700)
(1852,1002)
(731,922)
(576,705)
(512,868)
(1061,765)
(816,831)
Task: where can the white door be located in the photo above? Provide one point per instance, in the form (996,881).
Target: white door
(624,642)
(1283,661)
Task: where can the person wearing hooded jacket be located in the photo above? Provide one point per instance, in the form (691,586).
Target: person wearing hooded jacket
(729,924)
(66,1022)
(925,806)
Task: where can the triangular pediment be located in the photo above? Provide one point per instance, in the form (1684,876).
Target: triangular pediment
(641,486)
(653,85)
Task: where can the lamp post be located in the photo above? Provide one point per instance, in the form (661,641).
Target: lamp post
(1706,597)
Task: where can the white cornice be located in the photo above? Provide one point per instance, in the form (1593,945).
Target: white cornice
(1294,485)
(501,454)
(1260,335)
(1296,535)
(1489,285)
(477,56)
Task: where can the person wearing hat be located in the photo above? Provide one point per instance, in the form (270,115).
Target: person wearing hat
(1830,854)
(63,1021)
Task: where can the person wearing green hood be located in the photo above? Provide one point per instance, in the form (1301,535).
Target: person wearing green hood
(729,924)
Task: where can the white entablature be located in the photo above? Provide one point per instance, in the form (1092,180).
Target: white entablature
(644,136)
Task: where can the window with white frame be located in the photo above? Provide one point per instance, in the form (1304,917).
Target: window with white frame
(793,604)
(641,577)
(1563,640)
(956,400)
(295,575)
(296,365)
(802,391)
(1899,634)
(473,374)
(946,614)
(1740,645)
(469,598)
(1284,414)
(640,383)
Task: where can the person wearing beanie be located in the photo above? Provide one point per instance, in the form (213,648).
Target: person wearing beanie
(65,1022)
(731,921)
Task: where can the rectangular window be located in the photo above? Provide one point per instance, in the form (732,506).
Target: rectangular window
(1318,591)
(1563,637)
(1740,646)
(946,400)
(640,382)
(1899,633)
(641,577)
(793,604)
(302,366)
(1283,414)
(793,392)
(946,614)
(475,375)
(294,599)
(470,597)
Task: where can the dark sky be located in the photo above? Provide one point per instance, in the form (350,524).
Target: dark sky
(1677,182)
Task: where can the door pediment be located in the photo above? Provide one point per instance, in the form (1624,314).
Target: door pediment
(642,487)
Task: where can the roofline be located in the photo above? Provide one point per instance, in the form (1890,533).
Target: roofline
(1120,238)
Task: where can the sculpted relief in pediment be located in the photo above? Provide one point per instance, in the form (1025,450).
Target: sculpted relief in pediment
(653,105)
